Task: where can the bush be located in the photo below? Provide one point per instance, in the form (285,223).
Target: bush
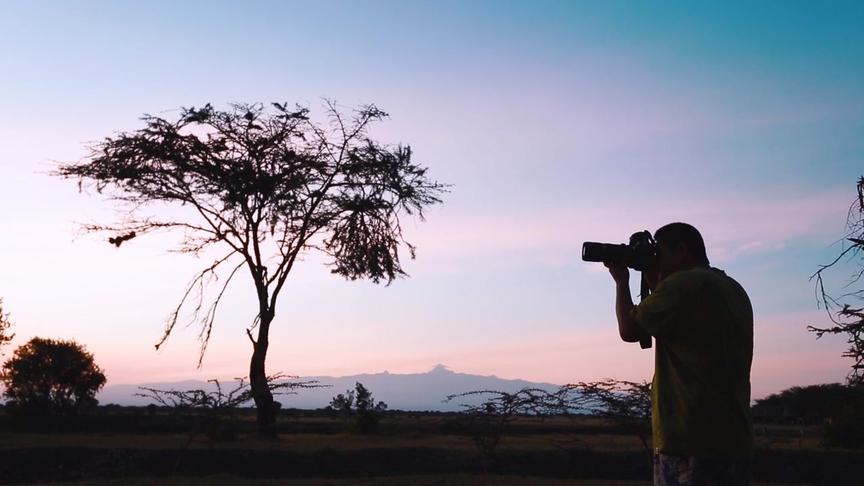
(358,405)
(846,429)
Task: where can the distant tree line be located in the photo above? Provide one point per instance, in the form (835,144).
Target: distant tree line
(805,404)
(836,406)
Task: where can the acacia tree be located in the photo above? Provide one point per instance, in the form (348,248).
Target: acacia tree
(265,185)
(847,318)
(625,403)
(215,412)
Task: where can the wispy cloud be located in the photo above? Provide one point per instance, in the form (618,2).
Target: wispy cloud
(732,226)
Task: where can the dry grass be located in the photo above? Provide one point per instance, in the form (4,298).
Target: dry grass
(421,480)
(415,480)
(529,435)
(318,442)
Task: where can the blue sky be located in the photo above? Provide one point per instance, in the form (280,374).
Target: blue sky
(556,123)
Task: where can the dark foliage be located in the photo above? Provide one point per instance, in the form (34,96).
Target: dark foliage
(48,378)
(5,326)
(359,407)
(847,318)
(342,404)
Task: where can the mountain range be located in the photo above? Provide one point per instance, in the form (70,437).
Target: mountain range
(412,391)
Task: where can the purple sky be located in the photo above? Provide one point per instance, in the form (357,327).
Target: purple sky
(556,123)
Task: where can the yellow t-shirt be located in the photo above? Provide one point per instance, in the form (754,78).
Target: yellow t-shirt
(703,324)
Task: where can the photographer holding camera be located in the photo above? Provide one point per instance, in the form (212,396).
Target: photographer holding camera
(702,322)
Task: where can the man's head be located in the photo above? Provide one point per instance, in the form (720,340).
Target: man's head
(679,247)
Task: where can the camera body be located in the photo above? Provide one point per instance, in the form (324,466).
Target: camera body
(639,254)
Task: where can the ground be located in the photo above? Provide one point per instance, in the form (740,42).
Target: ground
(143,446)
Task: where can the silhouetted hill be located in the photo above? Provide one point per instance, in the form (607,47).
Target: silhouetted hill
(414,391)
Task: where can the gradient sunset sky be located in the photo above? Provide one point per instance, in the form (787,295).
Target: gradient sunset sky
(555,122)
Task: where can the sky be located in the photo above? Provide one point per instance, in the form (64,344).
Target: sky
(554,122)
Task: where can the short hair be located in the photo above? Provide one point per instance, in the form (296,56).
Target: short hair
(674,233)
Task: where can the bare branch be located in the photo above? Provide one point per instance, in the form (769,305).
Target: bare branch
(196,282)
(207,323)
(846,319)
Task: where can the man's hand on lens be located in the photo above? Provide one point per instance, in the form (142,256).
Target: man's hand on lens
(619,272)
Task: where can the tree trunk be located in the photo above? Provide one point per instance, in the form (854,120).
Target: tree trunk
(264,402)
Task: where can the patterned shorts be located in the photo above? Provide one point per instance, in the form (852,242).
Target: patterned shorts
(672,470)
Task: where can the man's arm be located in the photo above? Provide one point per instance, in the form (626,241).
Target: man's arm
(628,329)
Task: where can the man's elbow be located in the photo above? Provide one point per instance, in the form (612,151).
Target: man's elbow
(630,331)
(630,337)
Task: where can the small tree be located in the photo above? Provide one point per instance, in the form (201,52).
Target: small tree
(5,326)
(360,404)
(342,404)
(847,318)
(265,186)
(368,410)
(52,376)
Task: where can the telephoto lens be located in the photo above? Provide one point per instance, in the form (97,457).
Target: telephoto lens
(604,252)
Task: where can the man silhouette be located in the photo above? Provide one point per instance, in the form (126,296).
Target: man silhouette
(702,322)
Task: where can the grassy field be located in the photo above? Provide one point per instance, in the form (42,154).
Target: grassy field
(409,448)
(437,480)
